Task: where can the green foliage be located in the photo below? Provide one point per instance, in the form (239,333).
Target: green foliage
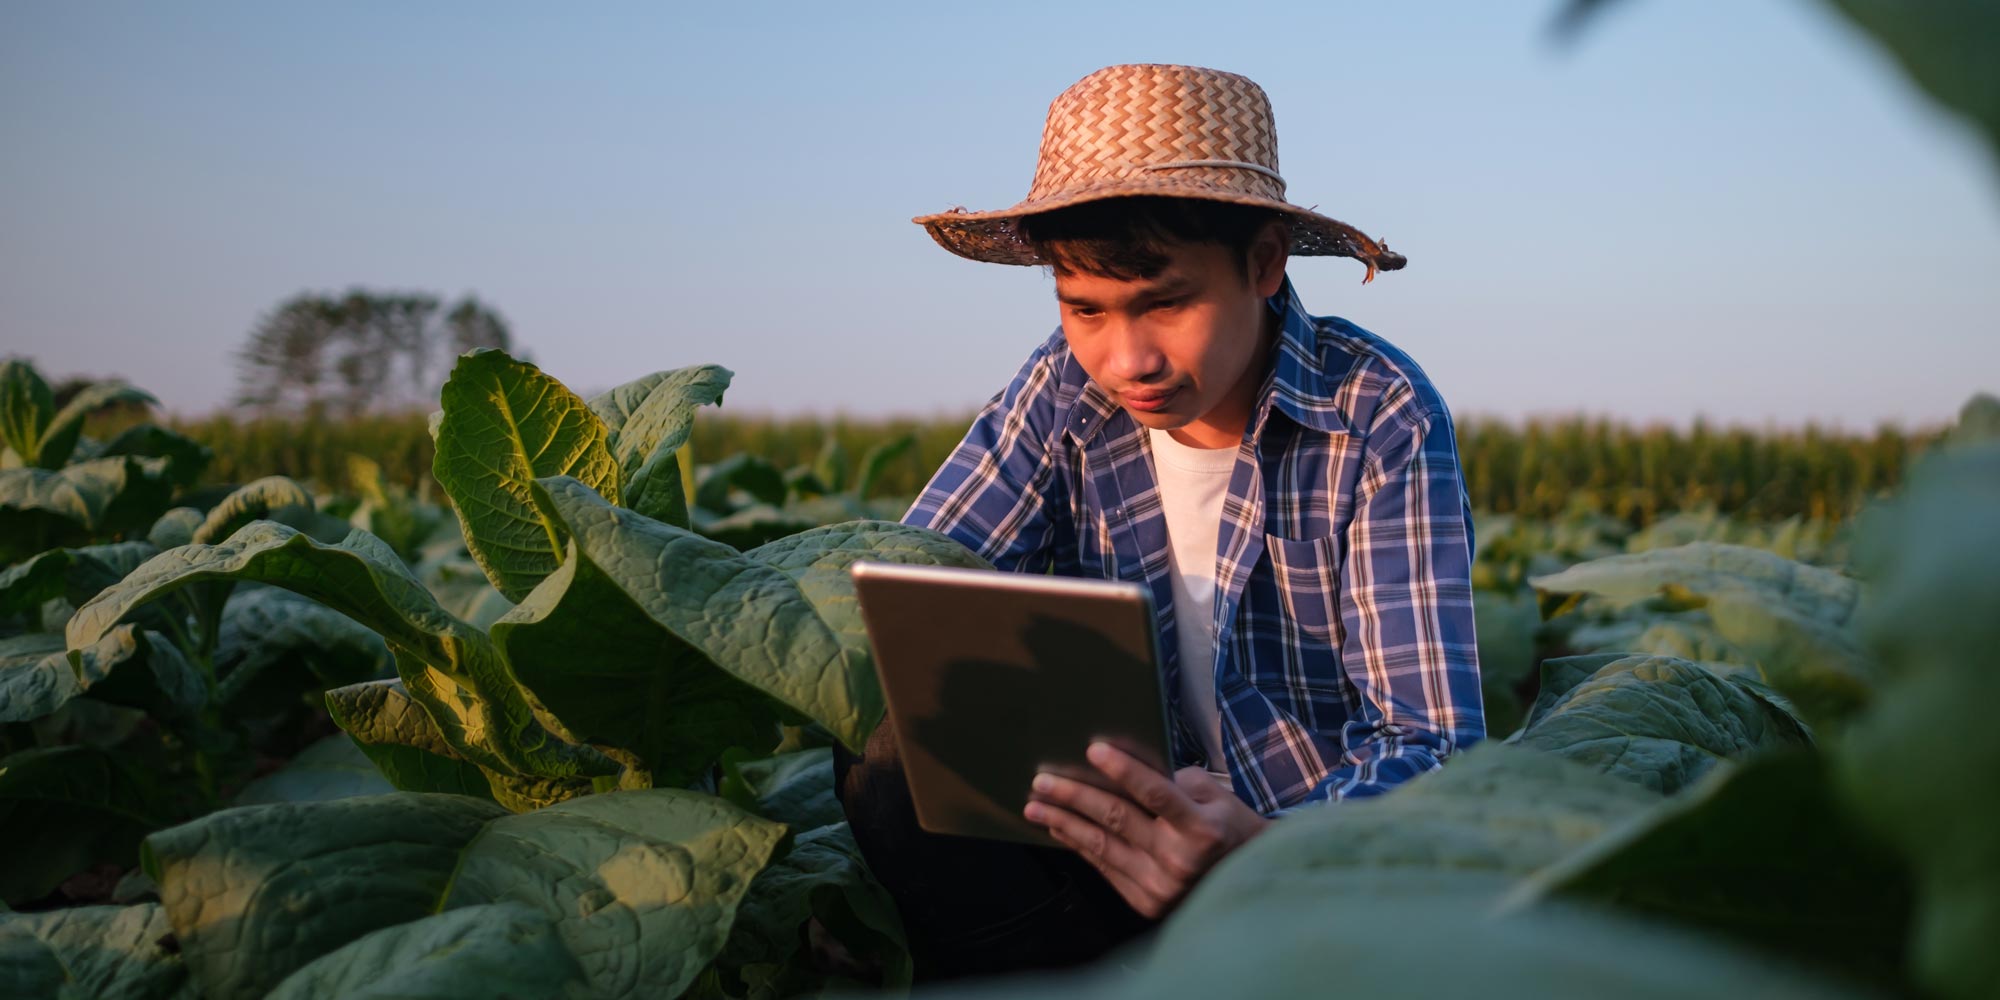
(39,435)
(658,872)
(505,425)
(612,752)
(102,952)
(1761,851)
(449,666)
(255,893)
(63,808)
(1398,894)
(1791,621)
(1655,720)
(1539,470)
(1921,769)
(649,420)
(333,768)
(499,950)
(42,508)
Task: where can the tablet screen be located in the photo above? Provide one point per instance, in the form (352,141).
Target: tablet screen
(990,676)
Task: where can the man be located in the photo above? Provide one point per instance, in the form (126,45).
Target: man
(1287,486)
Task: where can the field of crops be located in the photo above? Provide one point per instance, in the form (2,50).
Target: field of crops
(1543,469)
(466,719)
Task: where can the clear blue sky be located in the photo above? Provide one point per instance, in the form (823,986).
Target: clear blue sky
(1735,208)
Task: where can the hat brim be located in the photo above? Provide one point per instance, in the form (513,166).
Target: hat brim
(994,237)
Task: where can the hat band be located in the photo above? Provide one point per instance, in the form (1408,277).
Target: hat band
(1258,167)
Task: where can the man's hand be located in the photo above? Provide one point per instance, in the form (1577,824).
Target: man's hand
(1155,845)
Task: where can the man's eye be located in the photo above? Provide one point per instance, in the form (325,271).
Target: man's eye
(1169,304)
(1084,312)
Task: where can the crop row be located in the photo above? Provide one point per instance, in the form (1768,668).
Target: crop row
(1539,468)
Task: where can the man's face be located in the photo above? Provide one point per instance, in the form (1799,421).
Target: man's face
(1185,350)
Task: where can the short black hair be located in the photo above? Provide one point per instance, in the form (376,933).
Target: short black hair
(1130,238)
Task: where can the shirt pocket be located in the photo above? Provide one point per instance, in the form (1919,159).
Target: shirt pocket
(1307,574)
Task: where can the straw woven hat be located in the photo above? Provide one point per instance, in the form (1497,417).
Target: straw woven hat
(1175,131)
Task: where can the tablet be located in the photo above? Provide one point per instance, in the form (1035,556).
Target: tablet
(991,676)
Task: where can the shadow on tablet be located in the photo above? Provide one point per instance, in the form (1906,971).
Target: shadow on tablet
(986,721)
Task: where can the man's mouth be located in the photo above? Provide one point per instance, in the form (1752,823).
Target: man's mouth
(1150,402)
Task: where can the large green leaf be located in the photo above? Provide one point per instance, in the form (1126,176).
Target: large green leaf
(451,668)
(175,528)
(781,617)
(1425,946)
(77,575)
(1819,666)
(1690,635)
(59,438)
(38,675)
(333,768)
(1759,851)
(64,809)
(26,584)
(254,893)
(1946,47)
(41,509)
(95,567)
(402,741)
(99,952)
(26,409)
(1923,766)
(505,425)
(643,885)
(1492,814)
(793,788)
(275,646)
(250,502)
(1702,569)
(35,677)
(649,420)
(1791,620)
(1656,720)
(186,457)
(477,953)
(1393,894)
(140,669)
(616,677)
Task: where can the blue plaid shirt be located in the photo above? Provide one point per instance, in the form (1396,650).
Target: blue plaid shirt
(1345,660)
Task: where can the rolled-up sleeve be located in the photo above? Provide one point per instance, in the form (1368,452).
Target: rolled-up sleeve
(998,494)
(1407,641)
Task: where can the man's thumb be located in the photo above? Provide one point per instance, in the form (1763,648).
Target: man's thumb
(1198,784)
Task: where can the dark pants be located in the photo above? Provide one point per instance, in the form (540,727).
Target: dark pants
(975,907)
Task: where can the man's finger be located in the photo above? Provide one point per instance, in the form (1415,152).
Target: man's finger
(1142,902)
(1200,785)
(1154,791)
(1110,853)
(1114,813)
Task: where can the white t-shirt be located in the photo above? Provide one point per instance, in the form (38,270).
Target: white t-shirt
(1193,482)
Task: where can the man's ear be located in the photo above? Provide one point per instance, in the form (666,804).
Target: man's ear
(1268,254)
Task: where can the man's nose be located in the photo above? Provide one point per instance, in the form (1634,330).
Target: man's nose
(1134,356)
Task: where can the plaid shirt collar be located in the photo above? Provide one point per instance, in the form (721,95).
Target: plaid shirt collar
(1291,386)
